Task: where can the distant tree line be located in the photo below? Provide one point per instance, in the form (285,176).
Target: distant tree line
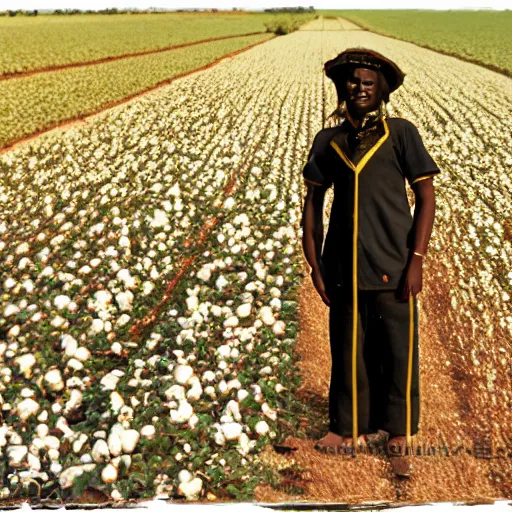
(112,10)
(295,10)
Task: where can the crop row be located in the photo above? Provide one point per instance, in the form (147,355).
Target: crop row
(46,41)
(99,222)
(34,103)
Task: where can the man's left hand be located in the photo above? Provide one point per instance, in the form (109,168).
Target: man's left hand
(413,277)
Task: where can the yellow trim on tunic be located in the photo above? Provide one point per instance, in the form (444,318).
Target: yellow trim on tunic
(357,169)
(423,178)
(312,182)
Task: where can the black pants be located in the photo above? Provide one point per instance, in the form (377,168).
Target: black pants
(382,363)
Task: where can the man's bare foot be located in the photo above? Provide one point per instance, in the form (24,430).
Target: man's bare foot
(330,443)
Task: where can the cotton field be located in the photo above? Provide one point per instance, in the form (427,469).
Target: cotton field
(150,261)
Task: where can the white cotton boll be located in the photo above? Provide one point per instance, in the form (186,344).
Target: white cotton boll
(129,440)
(16,455)
(27,408)
(192,303)
(109,381)
(221,282)
(234,409)
(53,379)
(267,370)
(183,413)
(279,387)
(268,412)
(25,363)
(175,391)
(10,310)
(209,376)
(147,287)
(82,354)
(116,401)
(204,274)
(109,474)
(232,321)
(148,431)
(275,303)
(192,489)
(261,427)
(216,310)
(124,241)
(97,326)
(243,310)
(69,344)
(75,400)
(231,431)
(234,384)
(184,476)
(183,373)
(100,451)
(244,444)
(9,283)
(14,331)
(222,386)
(42,430)
(195,392)
(242,394)
(266,315)
(123,319)
(223,351)
(279,328)
(124,300)
(210,391)
(193,421)
(114,444)
(229,203)
(61,301)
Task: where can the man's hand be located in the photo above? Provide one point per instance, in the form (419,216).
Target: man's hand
(318,282)
(413,277)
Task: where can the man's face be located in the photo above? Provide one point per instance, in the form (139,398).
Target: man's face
(363,90)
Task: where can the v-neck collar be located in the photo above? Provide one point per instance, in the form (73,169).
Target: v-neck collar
(366,157)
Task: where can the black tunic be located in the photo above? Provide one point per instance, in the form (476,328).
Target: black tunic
(392,153)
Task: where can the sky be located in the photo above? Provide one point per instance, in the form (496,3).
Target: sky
(255,4)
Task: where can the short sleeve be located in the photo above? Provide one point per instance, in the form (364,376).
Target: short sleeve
(416,161)
(316,171)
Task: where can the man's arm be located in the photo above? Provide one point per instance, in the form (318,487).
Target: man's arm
(424,211)
(313,236)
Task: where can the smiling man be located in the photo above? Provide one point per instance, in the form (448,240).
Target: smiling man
(370,269)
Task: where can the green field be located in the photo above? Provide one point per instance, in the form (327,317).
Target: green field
(34,103)
(36,43)
(483,37)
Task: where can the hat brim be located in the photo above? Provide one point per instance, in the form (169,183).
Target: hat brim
(362,57)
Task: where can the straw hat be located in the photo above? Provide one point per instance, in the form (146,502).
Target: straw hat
(366,58)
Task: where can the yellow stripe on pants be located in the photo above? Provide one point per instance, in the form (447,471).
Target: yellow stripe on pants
(409,372)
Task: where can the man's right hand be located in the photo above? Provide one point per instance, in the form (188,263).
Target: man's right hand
(318,282)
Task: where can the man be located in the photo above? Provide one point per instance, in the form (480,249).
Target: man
(370,270)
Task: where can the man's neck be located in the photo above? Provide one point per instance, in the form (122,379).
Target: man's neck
(354,121)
